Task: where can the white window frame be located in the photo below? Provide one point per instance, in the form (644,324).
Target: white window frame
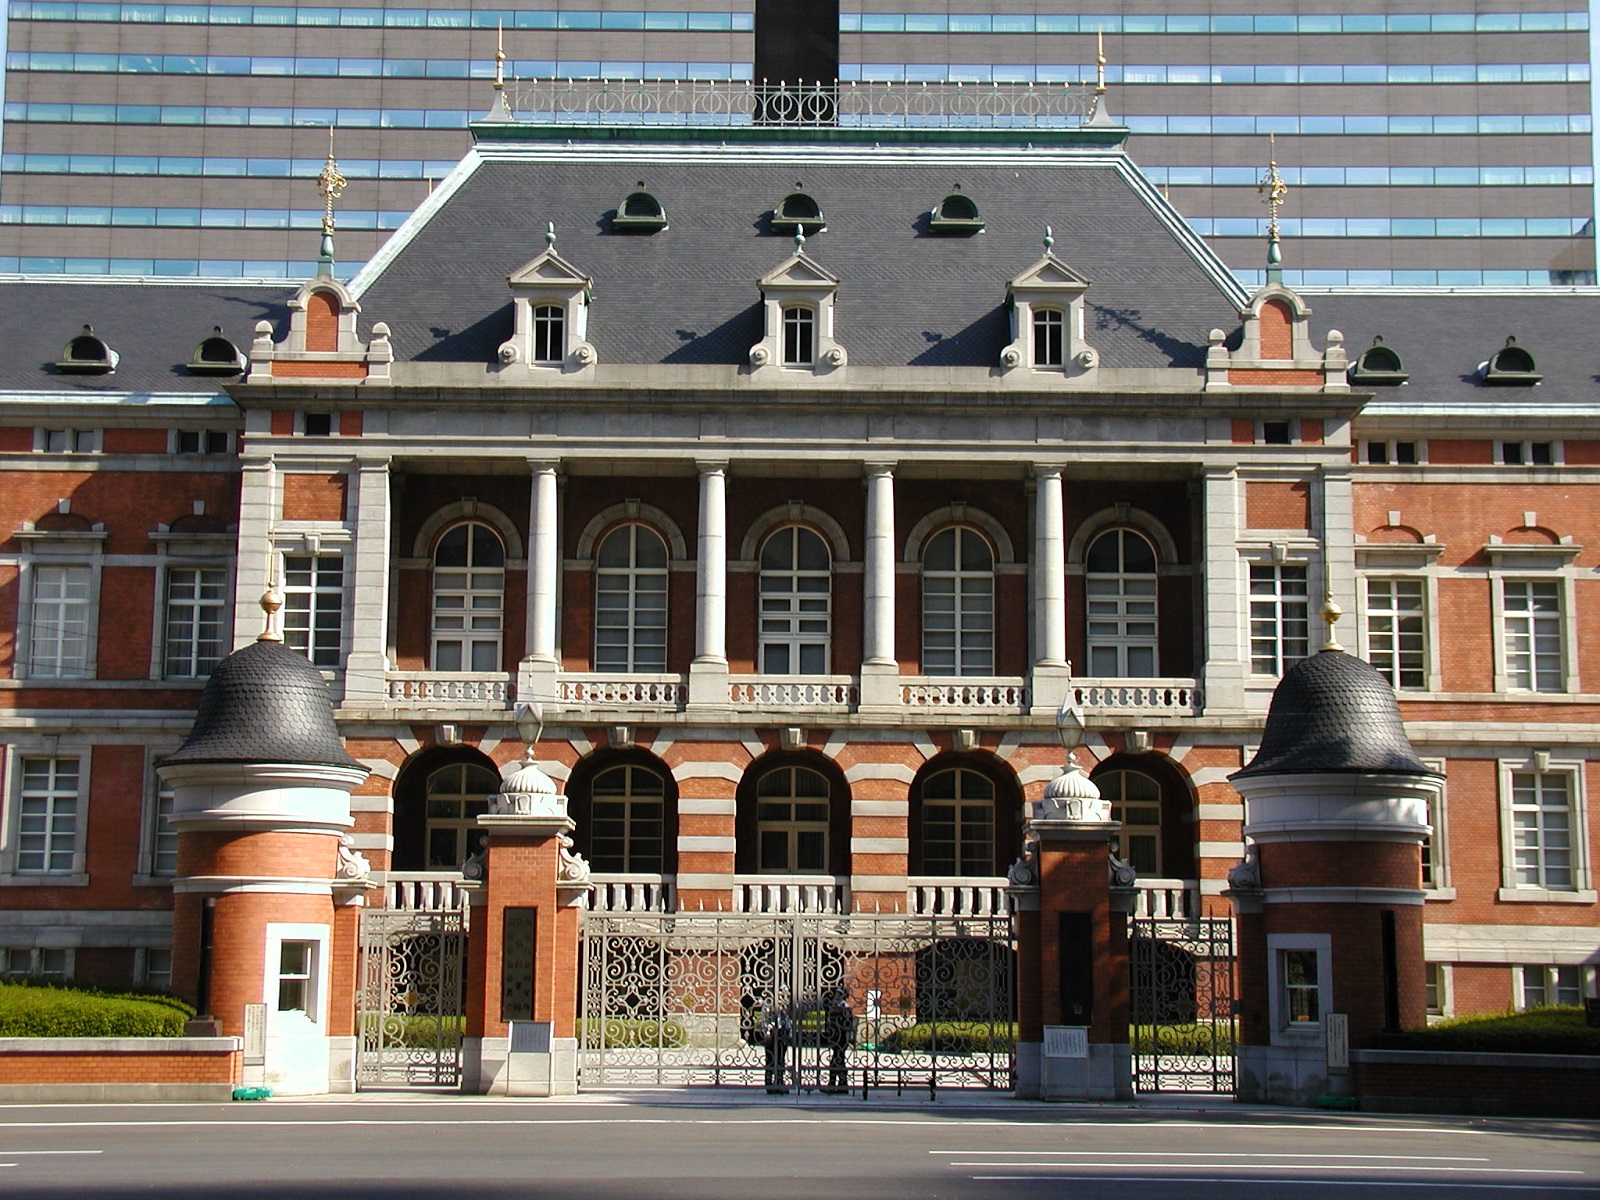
(152,967)
(970,622)
(1540,764)
(629,798)
(1395,672)
(158,848)
(1047,337)
(972,859)
(471,803)
(12,871)
(547,344)
(631,584)
(1548,980)
(794,636)
(77,439)
(36,962)
(1443,988)
(1121,605)
(203,439)
(798,335)
(70,655)
(1389,449)
(1436,853)
(1295,1033)
(1514,679)
(1534,563)
(314,1017)
(1523,451)
(302,638)
(196,666)
(482,583)
(1278,598)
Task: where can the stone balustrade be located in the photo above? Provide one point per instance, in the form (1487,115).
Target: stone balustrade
(977,695)
(833,693)
(615,892)
(452,689)
(790,893)
(1137,697)
(938,896)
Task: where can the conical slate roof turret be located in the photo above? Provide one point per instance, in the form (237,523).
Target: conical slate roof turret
(265,703)
(1332,713)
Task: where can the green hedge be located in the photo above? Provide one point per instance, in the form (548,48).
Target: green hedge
(631,1033)
(952,1037)
(1536,1031)
(1195,1037)
(78,1010)
(417,1030)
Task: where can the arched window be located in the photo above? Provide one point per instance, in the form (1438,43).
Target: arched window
(958,604)
(792,805)
(630,620)
(549,333)
(799,336)
(457,795)
(1136,802)
(1120,586)
(469,583)
(958,823)
(1049,337)
(796,599)
(627,820)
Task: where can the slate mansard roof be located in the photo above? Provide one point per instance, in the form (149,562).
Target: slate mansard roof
(907,297)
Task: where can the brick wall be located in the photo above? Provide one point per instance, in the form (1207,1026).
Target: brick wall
(38,1061)
(1524,1085)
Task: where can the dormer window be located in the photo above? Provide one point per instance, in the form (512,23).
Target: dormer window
(640,212)
(87,354)
(1049,337)
(1378,366)
(1511,366)
(216,355)
(955,214)
(549,333)
(799,336)
(798,213)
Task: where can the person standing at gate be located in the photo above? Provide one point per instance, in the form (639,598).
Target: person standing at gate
(838,1034)
(775,1037)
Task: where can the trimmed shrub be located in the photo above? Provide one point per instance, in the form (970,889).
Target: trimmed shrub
(631,1033)
(1190,1038)
(952,1037)
(70,1010)
(1555,1030)
(414,1030)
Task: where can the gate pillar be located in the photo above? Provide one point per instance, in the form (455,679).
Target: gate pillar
(1329,895)
(1072,964)
(523,968)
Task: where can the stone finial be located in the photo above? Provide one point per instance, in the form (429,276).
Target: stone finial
(1073,796)
(528,792)
(1331,612)
(271,602)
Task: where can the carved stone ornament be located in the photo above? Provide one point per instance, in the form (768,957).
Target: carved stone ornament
(353,865)
(1073,796)
(759,356)
(836,356)
(528,792)
(477,865)
(584,355)
(1123,872)
(1011,358)
(571,869)
(1245,875)
(1025,871)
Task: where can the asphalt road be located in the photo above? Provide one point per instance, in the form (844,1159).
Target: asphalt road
(713,1147)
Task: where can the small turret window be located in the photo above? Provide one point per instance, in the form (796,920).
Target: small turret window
(216,355)
(1378,366)
(640,212)
(798,212)
(955,214)
(1511,366)
(87,354)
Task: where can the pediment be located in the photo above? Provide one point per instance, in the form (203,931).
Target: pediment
(1049,274)
(549,270)
(800,271)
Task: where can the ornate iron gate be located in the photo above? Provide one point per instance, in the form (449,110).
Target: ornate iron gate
(1182,1004)
(411,1009)
(744,1000)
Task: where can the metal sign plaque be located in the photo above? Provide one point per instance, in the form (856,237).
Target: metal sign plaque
(1338,1037)
(255,1035)
(1066,1041)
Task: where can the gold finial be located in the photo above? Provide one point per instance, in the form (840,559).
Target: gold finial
(1099,60)
(331,184)
(1272,190)
(1331,612)
(271,602)
(500,56)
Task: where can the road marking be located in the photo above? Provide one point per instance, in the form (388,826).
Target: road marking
(1247,1166)
(24,1153)
(1234,1154)
(1293,1181)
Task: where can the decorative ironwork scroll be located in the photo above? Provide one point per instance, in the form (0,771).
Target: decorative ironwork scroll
(797,1000)
(1182,1005)
(411,1011)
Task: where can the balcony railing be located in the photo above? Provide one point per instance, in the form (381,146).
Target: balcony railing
(1138,697)
(872,105)
(427,891)
(1168,899)
(971,694)
(831,693)
(654,693)
(452,688)
(790,893)
(634,893)
(937,896)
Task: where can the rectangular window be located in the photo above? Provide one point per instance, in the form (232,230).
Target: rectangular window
(35,962)
(1527,454)
(1541,986)
(1302,997)
(1276,433)
(295,977)
(58,641)
(1049,337)
(163,837)
(1543,830)
(1397,623)
(154,968)
(1435,871)
(200,441)
(1434,988)
(196,615)
(549,334)
(313,606)
(1280,617)
(316,424)
(1534,641)
(67,441)
(47,816)
(799,337)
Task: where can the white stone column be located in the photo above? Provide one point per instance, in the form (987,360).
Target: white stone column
(537,677)
(708,674)
(367,663)
(257,563)
(880,670)
(1222,592)
(1050,671)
